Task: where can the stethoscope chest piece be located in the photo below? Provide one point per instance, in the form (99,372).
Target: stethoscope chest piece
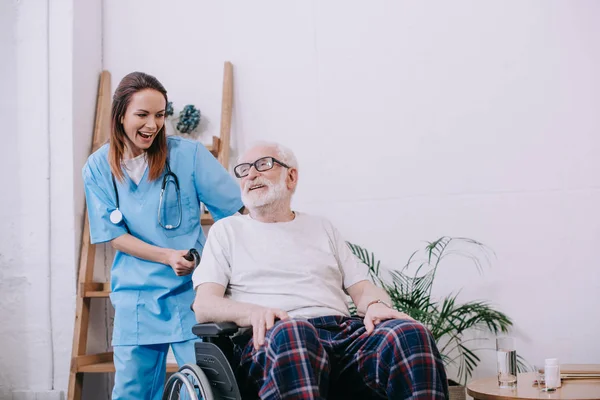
(116,216)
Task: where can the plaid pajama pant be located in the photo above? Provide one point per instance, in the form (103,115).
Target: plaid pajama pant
(333,357)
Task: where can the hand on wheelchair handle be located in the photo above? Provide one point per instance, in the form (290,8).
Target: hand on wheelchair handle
(193,255)
(178,260)
(262,319)
(182,267)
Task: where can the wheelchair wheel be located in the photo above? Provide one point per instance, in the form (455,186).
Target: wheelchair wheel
(189,383)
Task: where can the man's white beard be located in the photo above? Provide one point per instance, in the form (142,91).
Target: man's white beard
(273,193)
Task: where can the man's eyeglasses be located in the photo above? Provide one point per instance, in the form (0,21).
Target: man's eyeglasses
(261,165)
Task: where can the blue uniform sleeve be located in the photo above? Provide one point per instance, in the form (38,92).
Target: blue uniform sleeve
(215,187)
(99,206)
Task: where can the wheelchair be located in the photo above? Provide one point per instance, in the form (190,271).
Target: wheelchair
(212,377)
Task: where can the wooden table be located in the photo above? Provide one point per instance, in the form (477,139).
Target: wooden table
(487,389)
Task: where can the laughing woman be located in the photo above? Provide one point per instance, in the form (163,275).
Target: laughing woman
(143,193)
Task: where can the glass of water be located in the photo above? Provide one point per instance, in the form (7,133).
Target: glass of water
(507,362)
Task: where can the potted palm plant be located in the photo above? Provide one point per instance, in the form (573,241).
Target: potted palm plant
(410,289)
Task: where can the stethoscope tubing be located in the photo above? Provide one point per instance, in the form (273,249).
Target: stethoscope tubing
(116,216)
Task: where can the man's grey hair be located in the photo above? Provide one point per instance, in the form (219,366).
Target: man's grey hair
(283,154)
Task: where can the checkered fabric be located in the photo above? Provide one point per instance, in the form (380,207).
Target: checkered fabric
(333,357)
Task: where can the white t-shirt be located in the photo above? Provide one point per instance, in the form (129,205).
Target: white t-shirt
(136,167)
(302,266)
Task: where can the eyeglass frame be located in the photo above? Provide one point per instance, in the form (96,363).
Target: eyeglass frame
(253,164)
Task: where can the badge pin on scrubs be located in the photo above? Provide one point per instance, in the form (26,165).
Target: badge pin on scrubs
(116,216)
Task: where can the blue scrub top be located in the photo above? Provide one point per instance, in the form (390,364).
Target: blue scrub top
(152,303)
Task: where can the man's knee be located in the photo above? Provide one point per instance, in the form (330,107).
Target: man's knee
(404,361)
(296,341)
(294,333)
(401,331)
(402,325)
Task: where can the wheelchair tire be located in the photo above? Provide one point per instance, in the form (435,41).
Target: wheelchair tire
(192,377)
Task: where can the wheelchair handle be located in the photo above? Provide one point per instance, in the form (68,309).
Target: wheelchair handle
(193,255)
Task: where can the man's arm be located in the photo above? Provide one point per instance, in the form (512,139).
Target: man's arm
(211,306)
(364,293)
(366,296)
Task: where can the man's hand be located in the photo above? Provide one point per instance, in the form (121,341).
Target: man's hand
(262,319)
(180,265)
(380,312)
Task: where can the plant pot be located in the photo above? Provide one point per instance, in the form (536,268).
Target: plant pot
(458,392)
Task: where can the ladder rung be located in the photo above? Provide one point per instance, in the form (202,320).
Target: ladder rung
(214,147)
(92,359)
(95,289)
(103,362)
(210,148)
(206,219)
(106,366)
(172,367)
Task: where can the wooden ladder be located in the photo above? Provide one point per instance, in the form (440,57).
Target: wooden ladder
(87,289)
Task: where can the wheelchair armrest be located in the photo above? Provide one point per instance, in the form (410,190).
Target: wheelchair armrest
(214,329)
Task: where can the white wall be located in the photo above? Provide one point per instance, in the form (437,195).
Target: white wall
(11,280)
(26,339)
(412,121)
(49,82)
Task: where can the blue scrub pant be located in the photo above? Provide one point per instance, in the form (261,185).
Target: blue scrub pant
(141,370)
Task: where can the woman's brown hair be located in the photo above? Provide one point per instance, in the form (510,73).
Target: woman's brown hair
(157,152)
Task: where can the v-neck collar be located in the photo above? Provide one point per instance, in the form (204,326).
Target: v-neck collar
(138,191)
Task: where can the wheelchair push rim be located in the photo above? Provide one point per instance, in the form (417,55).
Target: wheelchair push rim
(192,378)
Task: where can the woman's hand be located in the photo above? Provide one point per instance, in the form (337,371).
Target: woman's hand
(180,265)
(262,319)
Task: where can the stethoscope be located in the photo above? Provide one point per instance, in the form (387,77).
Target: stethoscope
(116,216)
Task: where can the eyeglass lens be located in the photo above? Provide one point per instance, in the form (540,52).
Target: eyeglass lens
(261,165)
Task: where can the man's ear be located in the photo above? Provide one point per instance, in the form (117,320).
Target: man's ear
(292,178)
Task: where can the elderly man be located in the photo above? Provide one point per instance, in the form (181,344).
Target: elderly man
(286,274)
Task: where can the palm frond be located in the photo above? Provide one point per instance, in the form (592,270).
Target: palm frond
(523,365)
(472,314)
(467,363)
(369,260)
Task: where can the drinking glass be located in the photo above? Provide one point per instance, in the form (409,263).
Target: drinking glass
(506,353)
(538,376)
